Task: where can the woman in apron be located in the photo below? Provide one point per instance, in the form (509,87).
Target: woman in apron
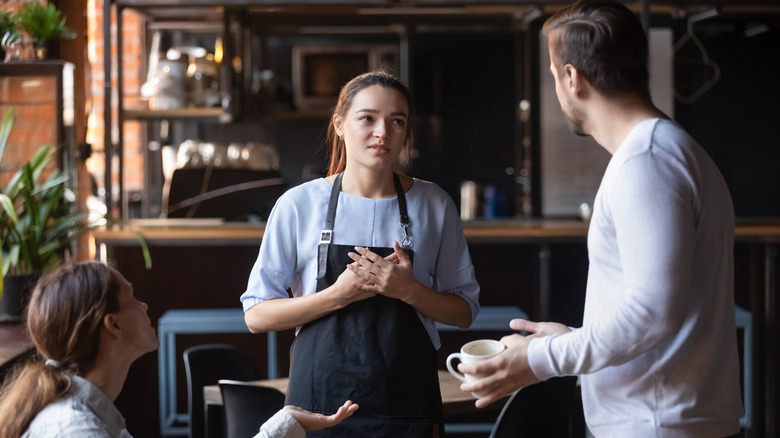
(372,260)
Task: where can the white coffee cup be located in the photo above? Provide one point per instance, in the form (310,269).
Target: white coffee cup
(471,352)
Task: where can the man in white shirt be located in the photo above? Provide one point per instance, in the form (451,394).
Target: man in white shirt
(657,350)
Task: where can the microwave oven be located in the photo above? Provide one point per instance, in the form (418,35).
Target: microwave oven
(319,72)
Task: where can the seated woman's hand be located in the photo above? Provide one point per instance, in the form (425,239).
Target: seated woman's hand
(311,421)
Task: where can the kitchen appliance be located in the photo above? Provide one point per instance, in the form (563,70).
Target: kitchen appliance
(319,72)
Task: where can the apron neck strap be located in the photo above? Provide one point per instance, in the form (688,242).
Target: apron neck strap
(399,190)
(330,217)
(326,237)
(405,223)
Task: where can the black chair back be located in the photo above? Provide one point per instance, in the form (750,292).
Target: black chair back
(248,406)
(206,365)
(548,409)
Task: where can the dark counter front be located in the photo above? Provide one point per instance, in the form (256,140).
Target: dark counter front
(538,265)
(15,345)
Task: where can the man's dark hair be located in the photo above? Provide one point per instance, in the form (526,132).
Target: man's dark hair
(605,41)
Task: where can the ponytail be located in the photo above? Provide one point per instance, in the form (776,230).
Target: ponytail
(27,391)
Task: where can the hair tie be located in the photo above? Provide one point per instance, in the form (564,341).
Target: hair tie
(53,363)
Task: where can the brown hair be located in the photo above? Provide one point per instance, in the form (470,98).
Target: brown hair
(64,320)
(605,41)
(338,153)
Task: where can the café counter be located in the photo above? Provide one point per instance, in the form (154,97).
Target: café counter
(215,232)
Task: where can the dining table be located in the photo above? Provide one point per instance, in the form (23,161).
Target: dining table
(455,403)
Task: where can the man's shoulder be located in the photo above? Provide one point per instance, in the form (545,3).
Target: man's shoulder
(656,138)
(665,129)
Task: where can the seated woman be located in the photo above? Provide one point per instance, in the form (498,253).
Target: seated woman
(88,328)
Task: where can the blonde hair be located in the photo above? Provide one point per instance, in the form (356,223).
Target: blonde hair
(64,320)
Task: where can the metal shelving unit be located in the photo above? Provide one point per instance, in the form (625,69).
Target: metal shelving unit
(197,17)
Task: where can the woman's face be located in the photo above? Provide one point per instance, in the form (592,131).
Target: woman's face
(374,128)
(136,325)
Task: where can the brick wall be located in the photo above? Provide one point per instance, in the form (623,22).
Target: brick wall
(35,120)
(34,115)
(32,124)
(131,62)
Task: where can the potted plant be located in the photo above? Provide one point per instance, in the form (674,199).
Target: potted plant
(9,31)
(39,224)
(45,24)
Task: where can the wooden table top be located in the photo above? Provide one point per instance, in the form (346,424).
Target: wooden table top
(455,401)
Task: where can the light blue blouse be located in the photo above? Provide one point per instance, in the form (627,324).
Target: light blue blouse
(84,413)
(289,249)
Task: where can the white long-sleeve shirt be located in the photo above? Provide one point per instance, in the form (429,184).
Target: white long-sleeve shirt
(281,425)
(657,350)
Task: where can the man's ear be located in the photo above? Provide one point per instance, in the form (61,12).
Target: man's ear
(112,325)
(577,83)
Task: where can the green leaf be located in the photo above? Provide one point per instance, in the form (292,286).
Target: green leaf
(6,266)
(38,223)
(5,129)
(9,23)
(8,207)
(43,22)
(39,161)
(12,259)
(144,249)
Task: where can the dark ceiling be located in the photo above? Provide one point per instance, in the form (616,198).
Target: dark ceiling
(293,15)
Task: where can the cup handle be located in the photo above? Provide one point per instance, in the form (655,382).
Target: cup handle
(453,370)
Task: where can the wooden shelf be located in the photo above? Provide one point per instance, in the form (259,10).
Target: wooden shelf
(216,114)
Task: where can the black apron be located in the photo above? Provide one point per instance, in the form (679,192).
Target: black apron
(375,352)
